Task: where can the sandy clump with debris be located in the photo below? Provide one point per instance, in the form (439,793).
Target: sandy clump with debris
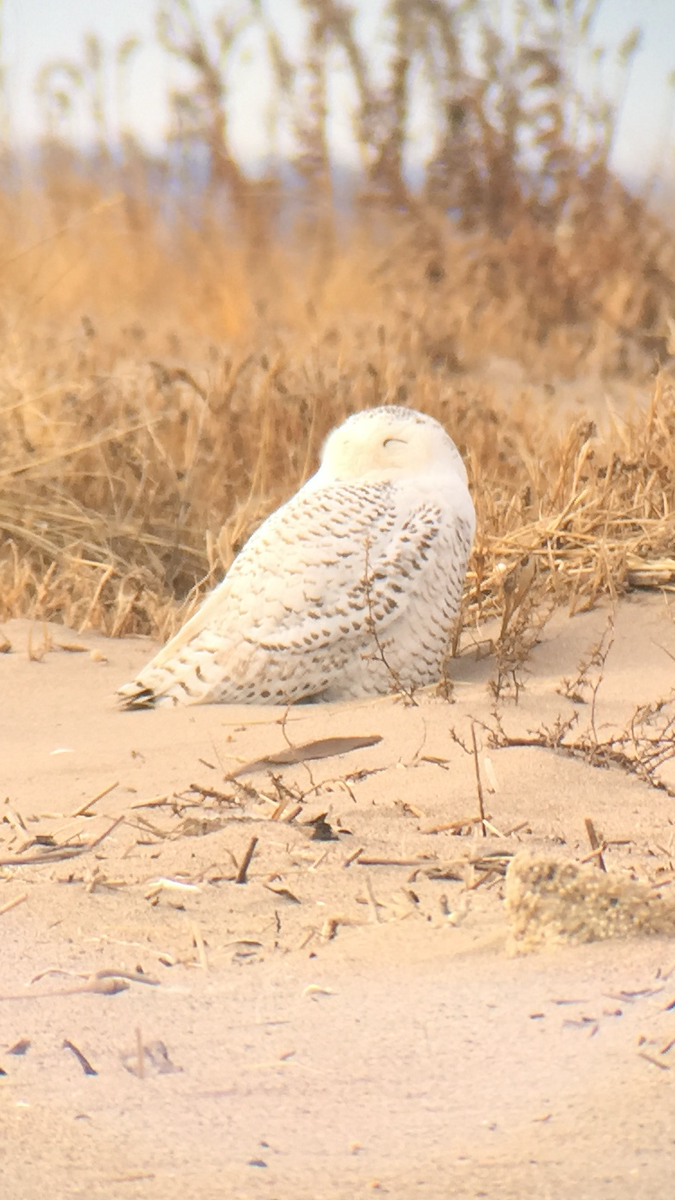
(552,900)
(264,953)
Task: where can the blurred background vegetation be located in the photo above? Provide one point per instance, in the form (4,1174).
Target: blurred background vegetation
(181,327)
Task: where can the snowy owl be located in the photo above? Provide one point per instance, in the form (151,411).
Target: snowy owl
(349,589)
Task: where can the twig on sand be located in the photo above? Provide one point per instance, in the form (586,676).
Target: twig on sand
(393,862)
(208,793)
(84,1062)
(102,836)
(102,983)
(199,945)
(456,826)
(155,802)
(90,803)
(246,861)
(58,855)
(372,901)
(597,846)
(654,1061)
(479,785)
(353,856)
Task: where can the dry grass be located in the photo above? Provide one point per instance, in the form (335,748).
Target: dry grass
(138,452)
(169,374)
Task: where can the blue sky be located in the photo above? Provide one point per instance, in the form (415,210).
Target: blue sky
(37,31)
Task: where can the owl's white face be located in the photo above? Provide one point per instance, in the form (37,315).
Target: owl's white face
(387,443)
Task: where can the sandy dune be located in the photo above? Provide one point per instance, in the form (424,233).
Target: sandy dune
(338,1024)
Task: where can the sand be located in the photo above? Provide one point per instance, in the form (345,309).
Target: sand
(350,1019)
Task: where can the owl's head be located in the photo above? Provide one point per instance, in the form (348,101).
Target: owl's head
(388,443)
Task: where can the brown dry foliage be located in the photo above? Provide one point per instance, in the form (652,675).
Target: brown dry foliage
(169,370)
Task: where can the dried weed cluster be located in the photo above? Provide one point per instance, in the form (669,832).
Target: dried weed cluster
(174,351)
(111,478)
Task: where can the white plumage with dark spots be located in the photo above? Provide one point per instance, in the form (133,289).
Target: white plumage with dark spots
(349,589)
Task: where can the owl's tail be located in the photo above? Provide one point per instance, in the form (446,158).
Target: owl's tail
(135,695)
(181,680)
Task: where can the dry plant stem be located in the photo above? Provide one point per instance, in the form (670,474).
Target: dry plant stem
(246,861)
(654,1061)
(104,974)
(80,812)
(596,845)
(84,1062)
(374,908)
(100,987)
(199,940)
(391,862)
(106,833)
(397,685)
(155,802)
(208,793)
(479,785)
(456,826)
(51,856)
(645,744)
(351,858)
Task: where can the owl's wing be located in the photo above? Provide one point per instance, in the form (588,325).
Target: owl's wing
(331,564)
(339,559)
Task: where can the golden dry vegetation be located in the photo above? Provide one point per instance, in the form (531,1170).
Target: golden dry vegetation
(174,353)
